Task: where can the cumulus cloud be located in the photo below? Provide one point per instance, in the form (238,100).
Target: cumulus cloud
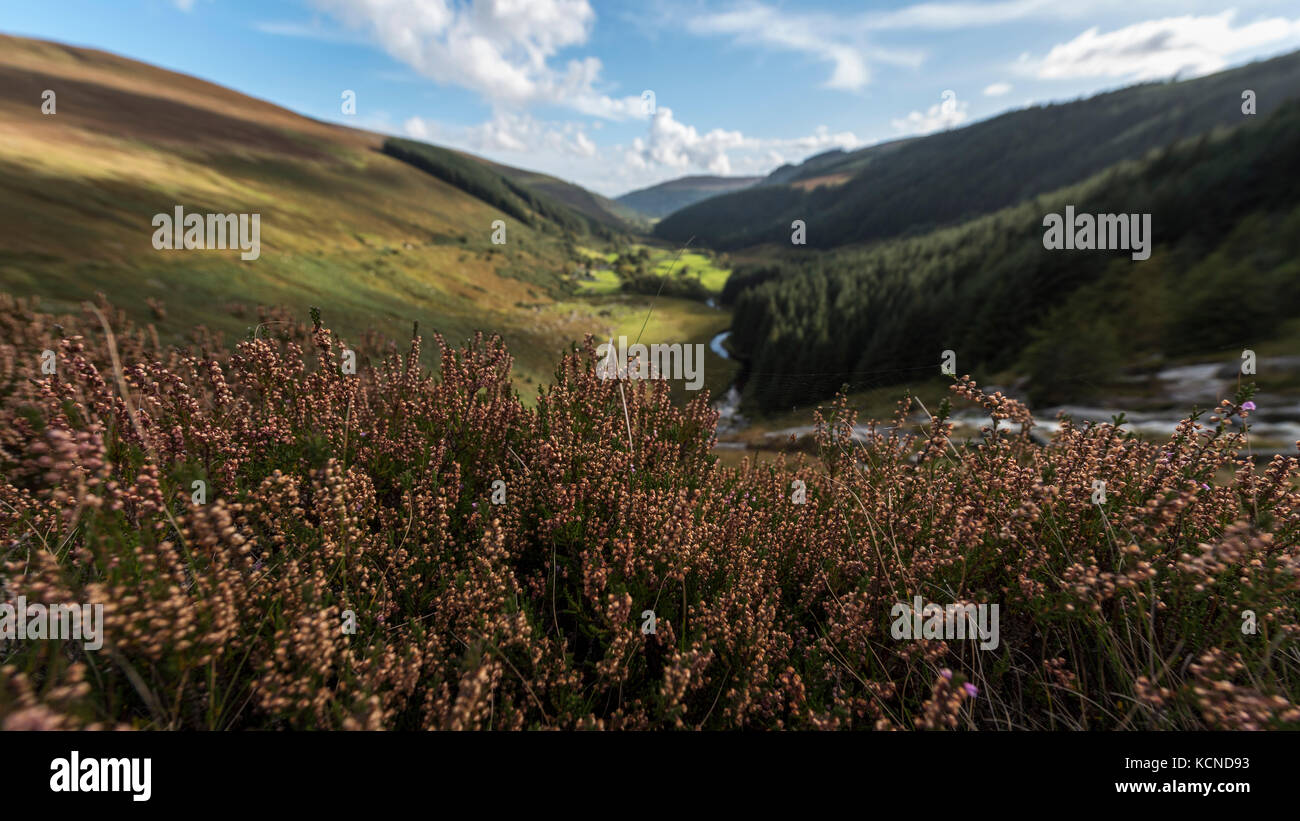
(996,89)
(937,117)
(507,132)
(678,145)
(416,128)
(674,145)
(505,50)
(1156,49)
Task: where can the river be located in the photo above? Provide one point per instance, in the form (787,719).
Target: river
(1275,425)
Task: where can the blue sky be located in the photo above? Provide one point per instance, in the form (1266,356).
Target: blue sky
(739,87)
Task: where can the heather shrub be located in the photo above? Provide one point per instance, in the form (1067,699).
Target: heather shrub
(335,498)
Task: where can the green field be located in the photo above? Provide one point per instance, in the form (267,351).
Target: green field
(666,320)
(692,263)
(663,262)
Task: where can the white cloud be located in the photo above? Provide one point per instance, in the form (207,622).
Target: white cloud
(996,89)
(583,146)
(675,145)
(509,133)
(503,50)
(678,145)
(416,128)
(937,117)
(835,39)
(965,15)
(767,26)
(1156,49)
(846,41)
(313,30)
(815,143)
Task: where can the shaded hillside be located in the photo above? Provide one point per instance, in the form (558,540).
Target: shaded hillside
(956,175)
(601,209)
(482,182)
(666,197)
(1223,272)
(834,162)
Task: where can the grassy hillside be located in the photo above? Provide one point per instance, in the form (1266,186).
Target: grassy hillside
(956,175)
(374,242)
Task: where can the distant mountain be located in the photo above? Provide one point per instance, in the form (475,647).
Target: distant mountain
(660,200)
(945,178)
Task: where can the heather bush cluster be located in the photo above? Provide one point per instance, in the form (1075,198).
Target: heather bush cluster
(329,492)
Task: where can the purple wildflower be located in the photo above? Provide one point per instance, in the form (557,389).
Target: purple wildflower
(946,673)
(1248,405)
(971,689)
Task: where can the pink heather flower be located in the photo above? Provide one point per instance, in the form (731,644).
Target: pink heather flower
(1248,405)
(1207,487)
(971,689)
(946,673)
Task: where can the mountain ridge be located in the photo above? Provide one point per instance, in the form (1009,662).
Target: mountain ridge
(662,199)
(950,176)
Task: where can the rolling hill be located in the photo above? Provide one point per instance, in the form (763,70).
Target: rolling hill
(371,240)
(834,163)
(955,175)
(663,199)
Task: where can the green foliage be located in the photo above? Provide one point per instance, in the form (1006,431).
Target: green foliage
(1226,226)
(476,178)
(640,282)
(1070,359)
